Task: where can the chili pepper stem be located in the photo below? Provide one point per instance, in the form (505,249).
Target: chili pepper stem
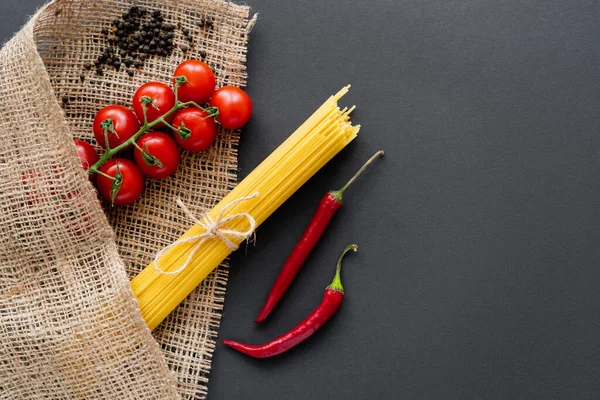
(336,284)
(332,300)
(338,195)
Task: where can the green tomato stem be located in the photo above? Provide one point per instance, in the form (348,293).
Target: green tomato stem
(112,178)
(143,129)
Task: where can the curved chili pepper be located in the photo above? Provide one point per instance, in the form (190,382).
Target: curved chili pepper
(332,300)
(329,204)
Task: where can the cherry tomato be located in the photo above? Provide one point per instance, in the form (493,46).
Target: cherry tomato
(87,154)
(202,131)
(201,81)
(162,96)
(124,122)
(235,106)
(130,183)
(161,149)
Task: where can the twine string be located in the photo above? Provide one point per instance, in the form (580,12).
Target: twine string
(213,229)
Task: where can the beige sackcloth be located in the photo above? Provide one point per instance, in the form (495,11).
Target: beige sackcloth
(70,327)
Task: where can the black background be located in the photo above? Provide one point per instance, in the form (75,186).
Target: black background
(477,274)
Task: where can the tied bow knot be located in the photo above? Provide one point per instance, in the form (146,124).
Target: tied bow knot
(213,228)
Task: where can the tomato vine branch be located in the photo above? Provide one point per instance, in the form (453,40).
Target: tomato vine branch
(108,126)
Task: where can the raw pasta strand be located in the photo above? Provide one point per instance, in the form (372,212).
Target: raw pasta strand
(260,209)
(178,254)
(326,132)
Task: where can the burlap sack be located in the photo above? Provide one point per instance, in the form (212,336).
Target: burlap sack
(69,325)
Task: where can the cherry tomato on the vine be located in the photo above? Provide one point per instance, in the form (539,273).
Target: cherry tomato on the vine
(87,154)
(123,126)
(196,131)
(163,99)
(200,78)
(129,182)
(162,155)
(235,106)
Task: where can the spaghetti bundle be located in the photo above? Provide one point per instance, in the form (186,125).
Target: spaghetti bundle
(187,262)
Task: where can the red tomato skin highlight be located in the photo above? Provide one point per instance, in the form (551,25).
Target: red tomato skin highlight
(235,106)
(201,81)
(87,154)
(204,130)
(125,123)
(163,98)
(133,181)
(164,148)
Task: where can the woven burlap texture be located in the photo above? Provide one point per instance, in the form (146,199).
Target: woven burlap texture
(70,327)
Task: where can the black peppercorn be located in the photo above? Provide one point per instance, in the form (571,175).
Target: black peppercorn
(104,31)
(203,53)
(184,48)
(185,31)
(82,77)
(169,41)
(109,60)
(130,72)
(123,53)
(87,66)
(133,54)
(162,43)
(65,99)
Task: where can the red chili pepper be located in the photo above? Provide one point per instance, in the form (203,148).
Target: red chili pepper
(332,300)
(329,204)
